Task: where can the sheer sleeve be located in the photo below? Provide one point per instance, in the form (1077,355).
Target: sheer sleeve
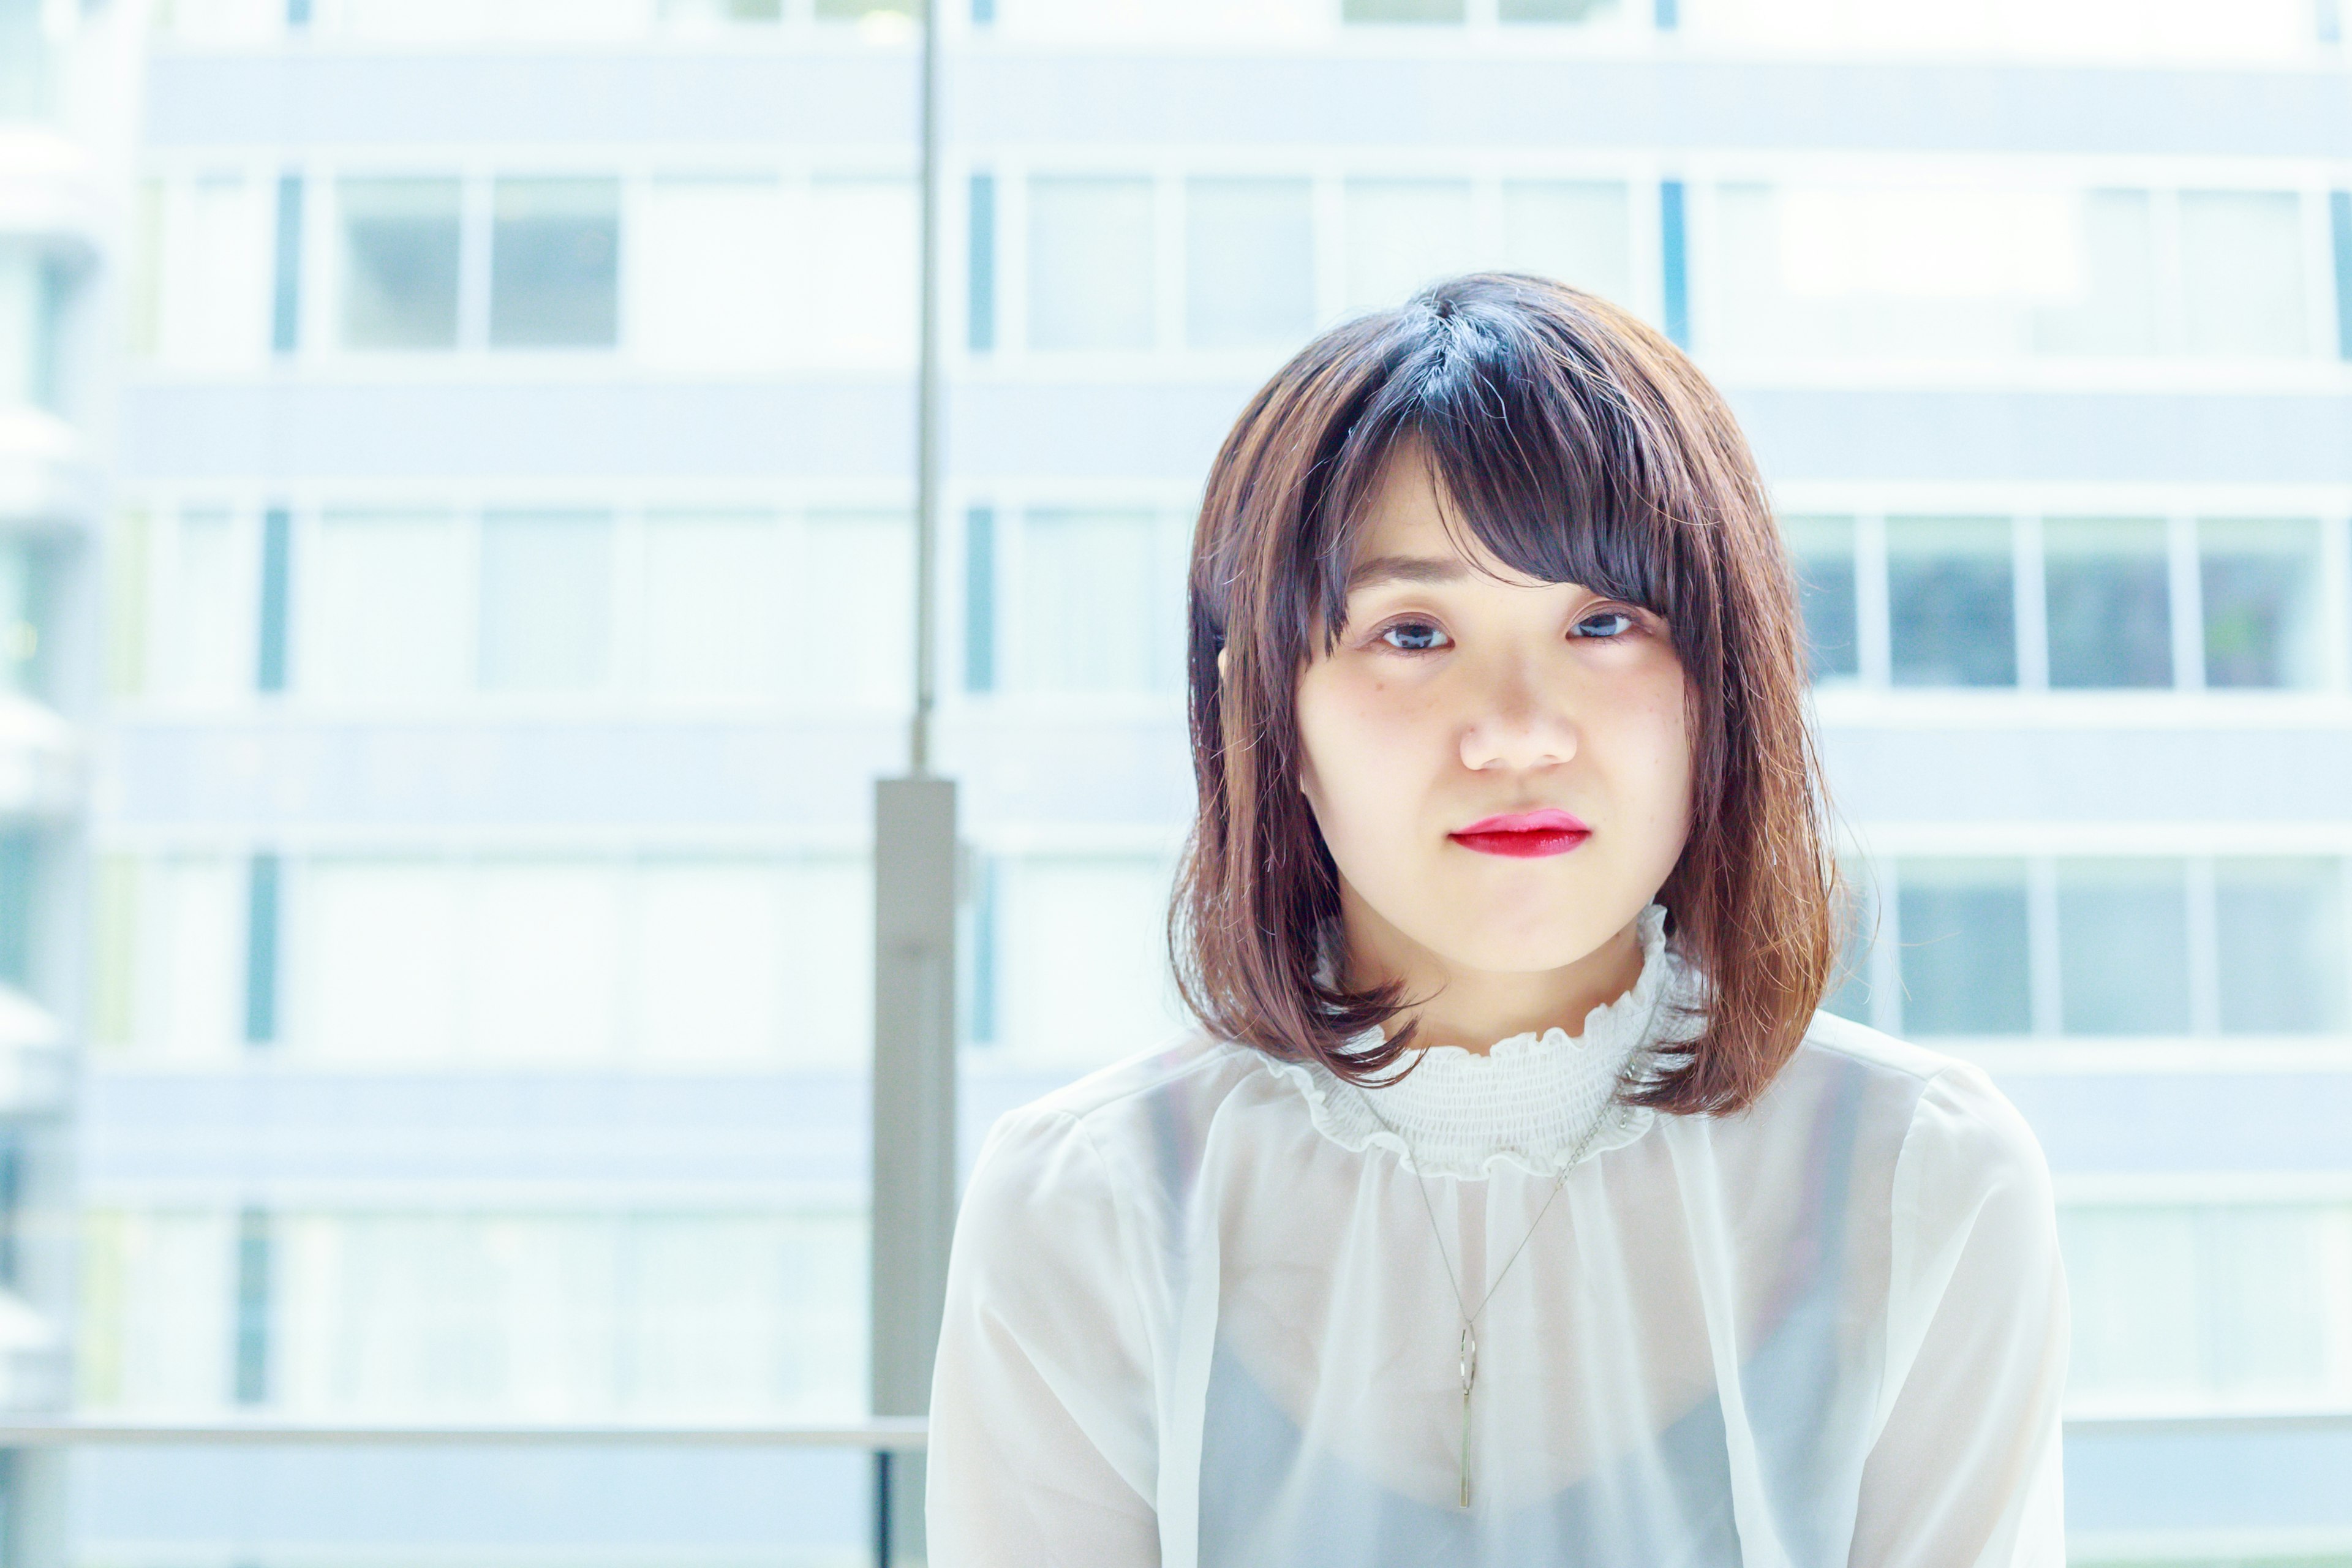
(1043,1439)
(1964,1471)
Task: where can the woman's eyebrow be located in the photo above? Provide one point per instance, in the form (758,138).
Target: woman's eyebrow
(1380,569)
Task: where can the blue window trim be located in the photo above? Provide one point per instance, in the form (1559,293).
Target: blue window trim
(1675,258)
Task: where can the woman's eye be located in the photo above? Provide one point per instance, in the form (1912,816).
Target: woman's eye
(1413,631)
(1605,624)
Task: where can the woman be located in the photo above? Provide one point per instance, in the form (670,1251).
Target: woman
(1511,1204)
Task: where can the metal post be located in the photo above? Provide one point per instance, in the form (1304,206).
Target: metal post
(912,1214)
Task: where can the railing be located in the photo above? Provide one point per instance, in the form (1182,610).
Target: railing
(885,1439)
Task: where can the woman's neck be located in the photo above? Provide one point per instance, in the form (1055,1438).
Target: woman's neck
(1472,1008)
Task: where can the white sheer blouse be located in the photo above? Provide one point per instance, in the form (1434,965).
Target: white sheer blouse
(1198,1315)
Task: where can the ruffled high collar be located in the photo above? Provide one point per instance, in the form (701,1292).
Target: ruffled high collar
(1527,1101)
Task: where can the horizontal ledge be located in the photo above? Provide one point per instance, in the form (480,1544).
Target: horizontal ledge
(902,1436)
(2222,1421)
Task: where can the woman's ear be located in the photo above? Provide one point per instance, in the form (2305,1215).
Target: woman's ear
(1220,667)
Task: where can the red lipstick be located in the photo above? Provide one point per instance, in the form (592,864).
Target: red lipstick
(1524,834)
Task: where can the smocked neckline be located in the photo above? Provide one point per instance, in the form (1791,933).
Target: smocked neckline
(1527,1101)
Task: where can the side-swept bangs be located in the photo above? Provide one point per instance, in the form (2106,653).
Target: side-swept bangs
(1577,446)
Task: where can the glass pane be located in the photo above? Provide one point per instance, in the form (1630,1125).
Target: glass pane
(2261,587)
(1249,263)
(2268,1303)
(23,587)
(1085,943)
(863,249)
(2109,587)
(852,634)
(1555,10)
(1964,958)
(2114,312)
(716,613)
(543,950)
(1950,602)
(1400,10)
(828,948)
(1090,263)
(399,263)
(710,275)
(207,610)
(378,609)
(1950,272)
(216,283)
(190,937)
(2123,946)
(1091,603)
(1580,232)
(373,960)
(158,1290)
(1403,235)
(2132,1279)
(546,601)
(690,12)
(23,328)
(1822,551)
(2241,273)
(554,264)
(705,1296)
(2280,923)
(709,954)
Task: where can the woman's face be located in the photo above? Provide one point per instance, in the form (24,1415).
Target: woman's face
(1452,698)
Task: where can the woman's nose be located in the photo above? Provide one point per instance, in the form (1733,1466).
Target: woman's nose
(1518,725)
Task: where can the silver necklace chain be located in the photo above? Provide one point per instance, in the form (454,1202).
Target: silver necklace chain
(1469,1341)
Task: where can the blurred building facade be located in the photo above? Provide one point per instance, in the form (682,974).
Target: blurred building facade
(507,570)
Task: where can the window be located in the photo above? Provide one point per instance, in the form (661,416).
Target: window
(372,958)
(1085,958)
(542,943)
(718,623)
(1400,10)
(204,595)
(215,290)
(1958,273)
(1952,606)
(1963,925)
(710,283)
(399,263)
(1822,551)
(158,1288)
(2184,1307)
(1555,11)
(2241,273)
(865,257)
(24,586)
(1580,232)
(1094,602)
(852,629)
(1091,258)
(710,982)
(1249,263)
(1403,235)
(2107,586)
(554,257)
(2260,581)
(187,934)
(2282,961)
(2123,946)
(379,611)
(720,13)
(546,601)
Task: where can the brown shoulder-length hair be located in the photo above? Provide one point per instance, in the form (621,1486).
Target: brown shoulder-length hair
(1581,446)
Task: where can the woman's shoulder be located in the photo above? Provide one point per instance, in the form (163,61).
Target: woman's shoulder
(1121,1116)
(1940,1117)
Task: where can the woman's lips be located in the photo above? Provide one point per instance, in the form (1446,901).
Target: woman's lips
(1524,834)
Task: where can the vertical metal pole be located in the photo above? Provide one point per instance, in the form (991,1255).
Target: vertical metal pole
(914,1104)
(926,406)
(913,1208)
